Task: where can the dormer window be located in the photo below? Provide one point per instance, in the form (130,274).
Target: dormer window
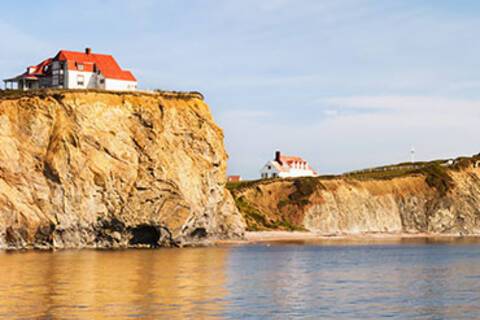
(80,66)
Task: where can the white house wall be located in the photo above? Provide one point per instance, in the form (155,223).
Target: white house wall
(89,82)
(294,173)
(270,171)
(94,81)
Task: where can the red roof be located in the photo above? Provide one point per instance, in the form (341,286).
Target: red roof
(234,178)
(288,162)
(291,159)
(33,72)
(39,69)
(103,62)
(89,62)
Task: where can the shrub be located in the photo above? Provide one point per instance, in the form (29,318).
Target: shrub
(253,217)
(437,177)
(257,221)
(303,189)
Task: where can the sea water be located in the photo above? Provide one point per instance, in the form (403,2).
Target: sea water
(402,279)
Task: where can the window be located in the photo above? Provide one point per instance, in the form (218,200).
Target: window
(102,81)
(80,66)
(80,80)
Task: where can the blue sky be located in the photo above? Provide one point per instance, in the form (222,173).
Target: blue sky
(345,83)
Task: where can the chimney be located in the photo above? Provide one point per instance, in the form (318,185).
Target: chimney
(278,156)
(88,50)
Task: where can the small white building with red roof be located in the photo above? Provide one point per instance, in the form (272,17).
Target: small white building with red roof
(75,70)
(283,166)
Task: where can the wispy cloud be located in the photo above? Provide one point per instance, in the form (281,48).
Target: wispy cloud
(345,83)
(360,131)
(404,103)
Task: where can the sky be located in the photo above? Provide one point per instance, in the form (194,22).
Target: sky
(346,84)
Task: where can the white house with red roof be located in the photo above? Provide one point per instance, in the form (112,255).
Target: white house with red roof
(75,70)
(287,167)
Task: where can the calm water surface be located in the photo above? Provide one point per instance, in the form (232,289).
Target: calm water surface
(410,279)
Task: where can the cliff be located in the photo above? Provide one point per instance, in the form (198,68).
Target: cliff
(432,198)
(102,170)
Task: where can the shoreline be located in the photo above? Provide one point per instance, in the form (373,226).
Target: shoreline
(253,237)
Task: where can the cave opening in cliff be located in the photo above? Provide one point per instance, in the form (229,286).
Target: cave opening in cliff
(199,233)
(145,234)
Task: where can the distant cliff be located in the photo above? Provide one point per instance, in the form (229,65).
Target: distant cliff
(99,169)
(437,197)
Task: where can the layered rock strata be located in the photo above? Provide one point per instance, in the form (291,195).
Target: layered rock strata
(102,170)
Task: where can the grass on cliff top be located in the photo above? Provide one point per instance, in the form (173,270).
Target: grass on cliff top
(241,185)
(15,94)
(436,176)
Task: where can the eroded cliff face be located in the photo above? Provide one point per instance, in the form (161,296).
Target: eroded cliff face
(440,203)
(98,169)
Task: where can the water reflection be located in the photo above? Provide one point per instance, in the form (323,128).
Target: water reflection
(331,280)
(101,285)
(361,281)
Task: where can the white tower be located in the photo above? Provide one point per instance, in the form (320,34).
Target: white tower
(412,155)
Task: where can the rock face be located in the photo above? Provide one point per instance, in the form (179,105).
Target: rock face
(98,169)
(434,200)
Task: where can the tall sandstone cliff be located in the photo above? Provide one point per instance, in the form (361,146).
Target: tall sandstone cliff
(98,169)
(435,199)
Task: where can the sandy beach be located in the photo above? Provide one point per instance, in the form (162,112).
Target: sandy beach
(294,236)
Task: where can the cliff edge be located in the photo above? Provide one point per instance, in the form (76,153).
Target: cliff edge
(440,197)
(99,169)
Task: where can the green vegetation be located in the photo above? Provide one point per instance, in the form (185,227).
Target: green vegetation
(303,185)
(286,225)
(303,189)
(282,203)
(256,221)
(435,172)
(387,174)
(43,93)
(237,186)
(437,177)
(254,218)
(464,162)
(180,94)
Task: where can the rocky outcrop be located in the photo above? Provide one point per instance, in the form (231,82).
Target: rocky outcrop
(435,199)
(103,170)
